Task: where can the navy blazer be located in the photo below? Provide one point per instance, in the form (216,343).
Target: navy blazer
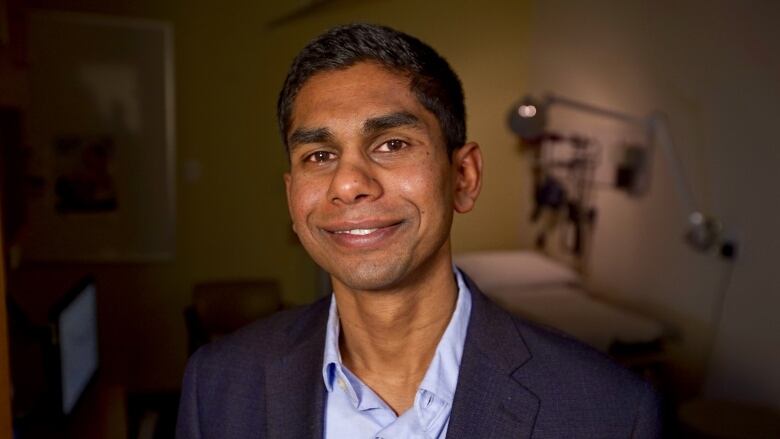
(516,380)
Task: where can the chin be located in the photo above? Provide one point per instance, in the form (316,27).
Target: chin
(368,276)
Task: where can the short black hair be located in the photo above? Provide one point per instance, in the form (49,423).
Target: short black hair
(432,80)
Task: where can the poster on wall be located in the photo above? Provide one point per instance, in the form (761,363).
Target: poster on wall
(101,136)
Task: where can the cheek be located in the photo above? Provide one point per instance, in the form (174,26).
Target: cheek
(428,188)
(304,196)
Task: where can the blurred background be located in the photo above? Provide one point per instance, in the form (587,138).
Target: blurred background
(142,179)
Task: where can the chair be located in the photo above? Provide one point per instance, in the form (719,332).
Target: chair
(221,307)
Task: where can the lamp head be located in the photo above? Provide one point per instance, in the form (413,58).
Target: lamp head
(528,119)
(704,233)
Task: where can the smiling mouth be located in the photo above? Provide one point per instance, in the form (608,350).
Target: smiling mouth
(356,231)
(364,237)
(368,234)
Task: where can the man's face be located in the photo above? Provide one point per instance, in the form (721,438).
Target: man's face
(370,187)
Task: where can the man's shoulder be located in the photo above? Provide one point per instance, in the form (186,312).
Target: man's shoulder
(569,380)
(563,358)
(556,364)
(548,354)
(226,381)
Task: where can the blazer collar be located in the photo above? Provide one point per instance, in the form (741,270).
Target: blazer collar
(295,392)
(489,401)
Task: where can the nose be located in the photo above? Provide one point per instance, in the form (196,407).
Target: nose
(353,181)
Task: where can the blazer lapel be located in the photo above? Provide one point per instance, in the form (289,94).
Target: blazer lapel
(295,391)
(489,402)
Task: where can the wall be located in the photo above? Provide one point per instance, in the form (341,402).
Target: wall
(714,71)
(232,219)
(5,373)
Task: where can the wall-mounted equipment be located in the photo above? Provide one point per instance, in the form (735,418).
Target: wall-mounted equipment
(528,118)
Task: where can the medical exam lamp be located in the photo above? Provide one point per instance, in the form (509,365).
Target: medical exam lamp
(528,119)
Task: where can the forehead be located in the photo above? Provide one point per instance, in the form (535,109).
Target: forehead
(353,95)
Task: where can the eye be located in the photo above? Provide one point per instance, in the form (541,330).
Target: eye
(319,157)
(392,145)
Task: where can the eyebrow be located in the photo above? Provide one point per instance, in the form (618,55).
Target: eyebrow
(385,122)
(370,127)
(303,135)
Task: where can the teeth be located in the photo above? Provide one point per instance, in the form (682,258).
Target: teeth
(357,231)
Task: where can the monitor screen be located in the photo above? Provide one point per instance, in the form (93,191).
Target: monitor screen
(77,337)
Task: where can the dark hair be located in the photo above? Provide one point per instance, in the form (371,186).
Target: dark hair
(432,80)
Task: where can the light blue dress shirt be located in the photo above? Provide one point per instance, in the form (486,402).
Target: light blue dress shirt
(353,410)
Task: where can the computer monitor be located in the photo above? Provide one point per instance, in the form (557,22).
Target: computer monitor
(74,347)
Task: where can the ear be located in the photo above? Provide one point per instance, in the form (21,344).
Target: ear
(287,182)
(467,176)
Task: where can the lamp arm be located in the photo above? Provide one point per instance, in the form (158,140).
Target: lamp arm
(553,99)
(659,127)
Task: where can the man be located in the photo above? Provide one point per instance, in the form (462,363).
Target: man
(406,346)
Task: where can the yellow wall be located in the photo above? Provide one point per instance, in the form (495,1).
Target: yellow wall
(232,221)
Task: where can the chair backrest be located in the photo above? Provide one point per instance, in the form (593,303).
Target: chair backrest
(221,307)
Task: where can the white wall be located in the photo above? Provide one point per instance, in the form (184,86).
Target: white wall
(713,68)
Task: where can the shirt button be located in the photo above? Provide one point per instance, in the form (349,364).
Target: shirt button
(342,384)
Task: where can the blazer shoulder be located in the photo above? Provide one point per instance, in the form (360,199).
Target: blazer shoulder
(553,353)
(588,385)
(224,385)
(556,386)
(561,353)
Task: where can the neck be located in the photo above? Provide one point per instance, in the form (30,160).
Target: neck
(388,338)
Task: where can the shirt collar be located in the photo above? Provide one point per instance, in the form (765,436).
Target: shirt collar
(332,359)
(440,379)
